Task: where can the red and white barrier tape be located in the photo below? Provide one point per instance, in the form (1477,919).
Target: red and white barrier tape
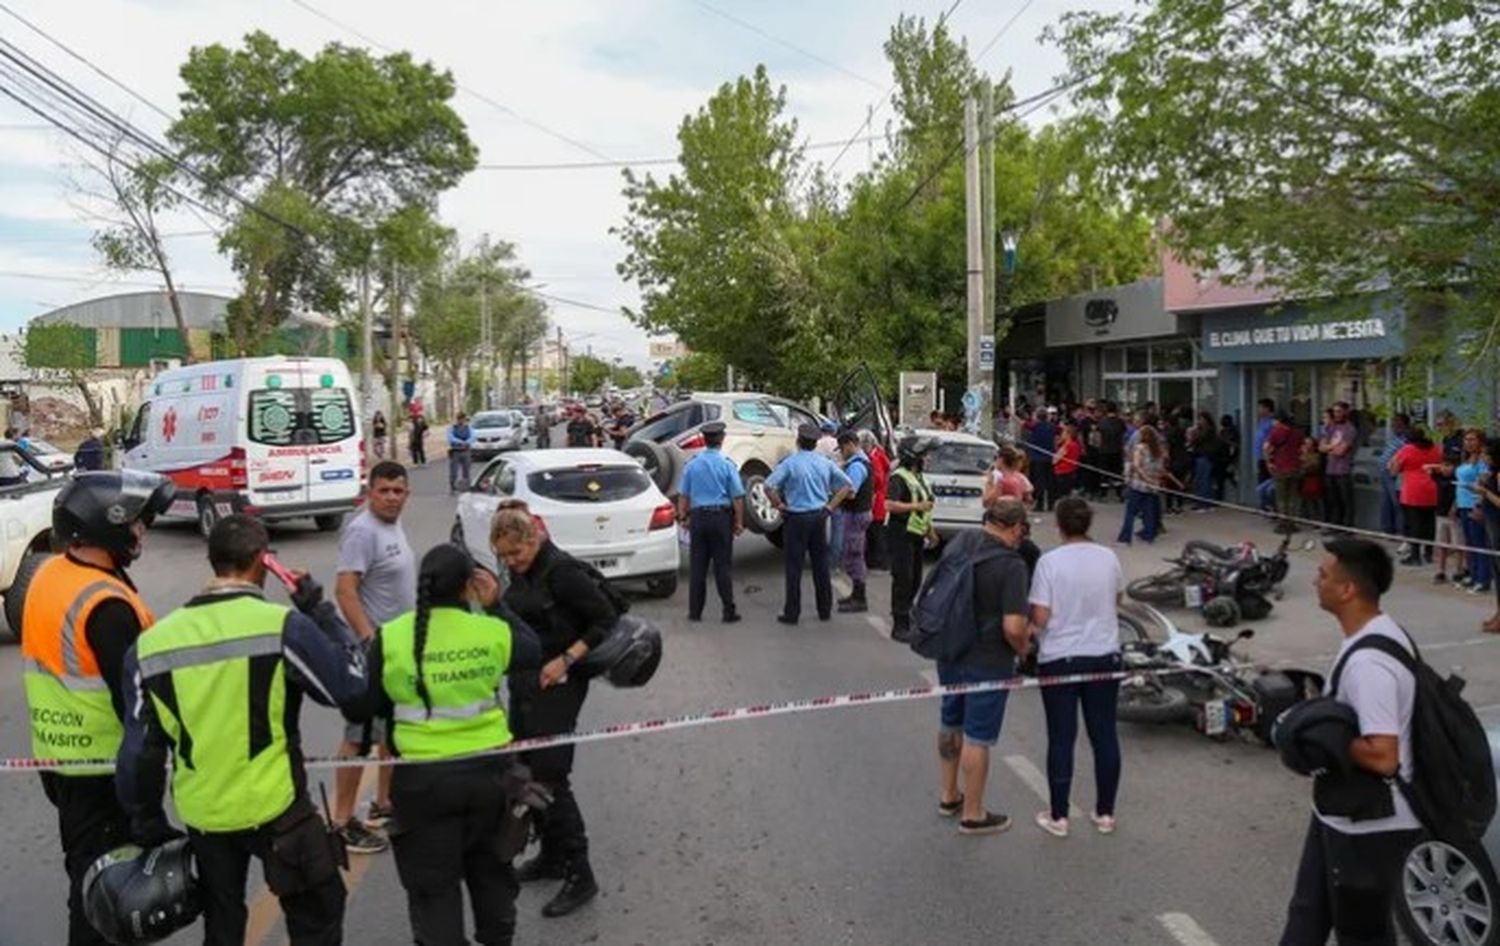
(667,724)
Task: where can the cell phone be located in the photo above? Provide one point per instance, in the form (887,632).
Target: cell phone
(279,570)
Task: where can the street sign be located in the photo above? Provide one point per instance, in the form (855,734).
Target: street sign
(986,353)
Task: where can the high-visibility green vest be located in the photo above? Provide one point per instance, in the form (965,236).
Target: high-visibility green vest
(919,522)
(463,663)
(217,680)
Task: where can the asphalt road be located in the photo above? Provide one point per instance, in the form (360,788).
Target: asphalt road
(822,829)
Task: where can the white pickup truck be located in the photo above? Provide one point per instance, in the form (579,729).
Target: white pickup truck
(27,487)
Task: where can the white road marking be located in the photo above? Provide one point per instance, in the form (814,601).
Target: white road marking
(1185,930)
(929,676)
(882,629)
(1027,772)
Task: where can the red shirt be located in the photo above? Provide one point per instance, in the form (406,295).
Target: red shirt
(880,468)
(1418,488)
(1067,458)
(1285,442)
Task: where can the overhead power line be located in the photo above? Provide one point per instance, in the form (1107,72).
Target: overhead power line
(642,162)
(744,24)
(475,93)
(1005,28)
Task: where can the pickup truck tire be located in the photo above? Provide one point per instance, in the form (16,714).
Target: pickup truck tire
(659,462)
(15,598)
(329,523)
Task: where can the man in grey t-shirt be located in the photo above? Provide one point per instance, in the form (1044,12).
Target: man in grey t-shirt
(377,582)
(1338,443)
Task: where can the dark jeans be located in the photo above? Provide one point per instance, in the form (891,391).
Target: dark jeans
(877,558)
(1340,493)
(806,536)
(1089,475)
(1043,483)
(550,712)
(712,533)
(1148,507)
(446,839)
(1063,484)
(906,571)
(1203,481)
(299,868)
(90,823)
(1098,702)
(1481,568)
(418,451)
(1344,885)
(1421,525)
(458,470)
(1391,520)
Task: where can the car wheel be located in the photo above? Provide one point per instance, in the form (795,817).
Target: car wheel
(663,587)
(208,515)
(329,523)
(1448,895)
(657,460)
(15,597)
(760,514)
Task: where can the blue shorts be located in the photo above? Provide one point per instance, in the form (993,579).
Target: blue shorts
(977,715)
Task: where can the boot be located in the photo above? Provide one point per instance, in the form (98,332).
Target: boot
(539,867)
(578,889)
(901,632)
(855,603)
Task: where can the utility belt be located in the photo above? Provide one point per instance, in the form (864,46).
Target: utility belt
(715,509)
(302,852)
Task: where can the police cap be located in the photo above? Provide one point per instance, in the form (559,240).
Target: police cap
(713,427)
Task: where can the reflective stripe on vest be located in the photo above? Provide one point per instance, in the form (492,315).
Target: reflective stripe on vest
(216,679)
(463,664)
(72,713)
(917,523)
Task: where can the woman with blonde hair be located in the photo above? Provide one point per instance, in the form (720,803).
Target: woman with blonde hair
(1145,471)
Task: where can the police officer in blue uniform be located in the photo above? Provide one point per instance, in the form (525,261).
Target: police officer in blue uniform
(711,500)
(807,487)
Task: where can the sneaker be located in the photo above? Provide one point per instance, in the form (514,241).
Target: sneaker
(378,815)
(949,809)
(1104,824)
(359,839)
(1478,590)
(1440,579)
(991,823)
(1057,827)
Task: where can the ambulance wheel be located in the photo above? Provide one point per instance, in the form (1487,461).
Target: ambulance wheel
(208,515)
(330,522)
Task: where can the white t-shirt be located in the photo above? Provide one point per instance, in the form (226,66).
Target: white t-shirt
(1081,583)
(1382,693)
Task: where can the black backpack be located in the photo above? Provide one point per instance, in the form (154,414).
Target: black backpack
(943,625)
(1452,789)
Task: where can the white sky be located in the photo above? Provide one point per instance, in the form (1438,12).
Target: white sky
(616,76)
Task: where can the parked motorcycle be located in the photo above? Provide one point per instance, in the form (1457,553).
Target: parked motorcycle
(1200,678)
(1227,584)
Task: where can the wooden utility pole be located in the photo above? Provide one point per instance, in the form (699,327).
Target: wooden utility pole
(974,217)
(987,353)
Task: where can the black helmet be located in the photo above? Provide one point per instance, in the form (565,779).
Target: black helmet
(98,509)
(628,657)
(1314,736)
(132,896)
(1221,611)
(913,447)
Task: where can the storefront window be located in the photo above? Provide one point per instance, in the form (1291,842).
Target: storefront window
(1114,360)
(1137,359)
(1165,372)
(1172,356)
(1208,396)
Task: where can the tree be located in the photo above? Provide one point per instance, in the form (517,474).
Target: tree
(130,240)
(588,374)
(63,353)
(310,156)
(626,376)
(707,246)
(1327,147)
(697,371)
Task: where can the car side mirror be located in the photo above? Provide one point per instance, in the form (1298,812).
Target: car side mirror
(130,443)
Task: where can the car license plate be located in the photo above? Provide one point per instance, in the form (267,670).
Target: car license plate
(1216,718)
(1192,596)
(954,500)
(605,564)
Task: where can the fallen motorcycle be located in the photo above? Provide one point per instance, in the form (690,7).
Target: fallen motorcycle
(1227,584)
(1199,678)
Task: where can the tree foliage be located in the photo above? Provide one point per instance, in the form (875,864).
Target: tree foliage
(326,148)
(63,353)
(792,276)
(1326,146)
(588,374)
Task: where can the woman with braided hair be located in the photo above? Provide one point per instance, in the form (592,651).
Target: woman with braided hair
(435,676)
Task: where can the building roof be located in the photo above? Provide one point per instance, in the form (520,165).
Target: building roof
(151,309)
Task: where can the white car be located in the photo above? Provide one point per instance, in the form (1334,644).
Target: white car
(496,431)
(46,455)
(597,505)
(955,470)
(27,489)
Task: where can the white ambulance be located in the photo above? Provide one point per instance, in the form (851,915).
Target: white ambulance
(276,437)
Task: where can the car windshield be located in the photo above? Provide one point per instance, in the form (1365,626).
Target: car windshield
(590,484)
(483,421)
(960,458)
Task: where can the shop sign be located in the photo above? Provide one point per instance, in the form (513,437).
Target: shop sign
(1294,333)
(1283,334)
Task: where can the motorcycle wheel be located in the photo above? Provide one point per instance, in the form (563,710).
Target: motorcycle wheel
(1153,704)
(1254,607)
(1166,588)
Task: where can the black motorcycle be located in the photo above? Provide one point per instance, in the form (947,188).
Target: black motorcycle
(1227,584)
